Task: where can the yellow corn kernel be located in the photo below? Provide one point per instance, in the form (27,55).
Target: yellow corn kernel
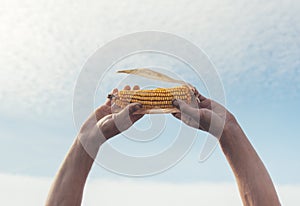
(159,98)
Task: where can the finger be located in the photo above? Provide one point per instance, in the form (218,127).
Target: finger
(133,107)
(124,119)
(198,95)
(108,100)
(177,115)
(202,101)
(201,118)
(128,111)
(127,87)
(187,110)
(136,87)
(136,117)
(207,103)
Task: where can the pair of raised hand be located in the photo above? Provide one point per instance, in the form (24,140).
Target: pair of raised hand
(254,182)
(199,115)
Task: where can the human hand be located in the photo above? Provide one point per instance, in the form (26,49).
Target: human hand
(204,114)
(113,124)
(103,124)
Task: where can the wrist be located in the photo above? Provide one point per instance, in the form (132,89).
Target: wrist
(233,137)
(230,129)
(91,140)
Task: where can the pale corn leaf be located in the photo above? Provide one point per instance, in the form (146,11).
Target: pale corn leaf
(150,74)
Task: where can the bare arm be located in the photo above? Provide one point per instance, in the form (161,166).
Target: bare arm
(68,186)
(254,182)
(69,182)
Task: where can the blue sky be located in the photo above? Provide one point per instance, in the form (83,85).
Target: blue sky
(254,46)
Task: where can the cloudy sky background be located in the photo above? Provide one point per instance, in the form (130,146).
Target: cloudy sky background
(43,46)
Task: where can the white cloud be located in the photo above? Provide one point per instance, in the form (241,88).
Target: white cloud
(24,190)
(44,45)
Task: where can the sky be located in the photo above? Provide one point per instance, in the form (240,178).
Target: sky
(255,48)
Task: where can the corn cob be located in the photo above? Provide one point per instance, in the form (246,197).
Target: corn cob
(158,100)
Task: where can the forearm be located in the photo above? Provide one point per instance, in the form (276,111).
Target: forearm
(254,182)
(69,183)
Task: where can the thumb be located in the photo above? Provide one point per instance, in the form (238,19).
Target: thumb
(133,107)
(123,120)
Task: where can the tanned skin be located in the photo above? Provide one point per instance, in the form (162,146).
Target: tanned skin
(254,183)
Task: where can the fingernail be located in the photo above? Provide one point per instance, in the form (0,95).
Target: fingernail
(175,103)
(110,96)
